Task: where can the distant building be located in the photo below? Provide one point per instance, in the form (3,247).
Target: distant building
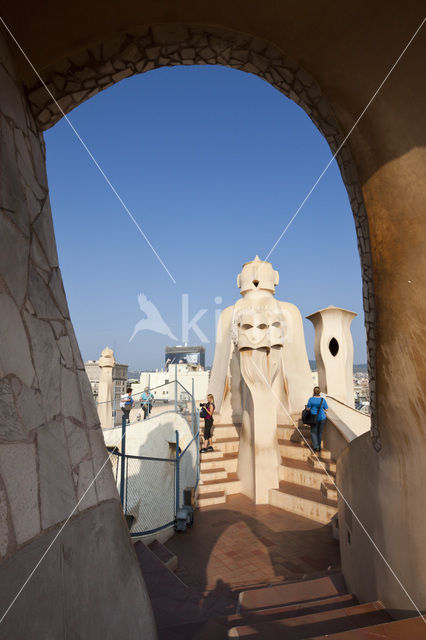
(185,355)
(164,380)
(119,379)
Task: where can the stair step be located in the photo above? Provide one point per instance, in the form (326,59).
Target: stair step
(164,554)
(156,575)
(209,456)
(226,431)
(228,461)
(226,445)
(293,419)
(408,629)
(320,463)
(213,474)
(230,484)
(293,434)
(299,450)
(207,498)
(304,501)
(329,490)
(292,610)
(296,592)
(301,627)
(302,472)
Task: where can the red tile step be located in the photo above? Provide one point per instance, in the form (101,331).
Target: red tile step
(164,554)
(408,629)
(157,576)
(293,610)
(300,591)
(326,622)
(207,498)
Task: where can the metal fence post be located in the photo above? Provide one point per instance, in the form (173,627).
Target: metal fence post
(177,473)
(175,387)
(123,457)
(193,409)
(197,426)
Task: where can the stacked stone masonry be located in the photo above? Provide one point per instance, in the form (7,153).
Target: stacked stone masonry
(79,78)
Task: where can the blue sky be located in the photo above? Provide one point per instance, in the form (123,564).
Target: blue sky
(212,163)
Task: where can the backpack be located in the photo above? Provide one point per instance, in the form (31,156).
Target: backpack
(309,418)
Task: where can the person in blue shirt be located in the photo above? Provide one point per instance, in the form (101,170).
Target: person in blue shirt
(318,406)
(147,400)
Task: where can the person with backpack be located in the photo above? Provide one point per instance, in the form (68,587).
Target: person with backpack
(147,400)
(317,406)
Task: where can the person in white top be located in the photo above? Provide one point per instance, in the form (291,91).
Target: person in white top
(126,405)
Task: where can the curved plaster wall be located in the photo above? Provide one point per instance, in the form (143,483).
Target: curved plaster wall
(51,444)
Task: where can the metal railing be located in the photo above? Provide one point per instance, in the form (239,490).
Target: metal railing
(183,402)
(151,488)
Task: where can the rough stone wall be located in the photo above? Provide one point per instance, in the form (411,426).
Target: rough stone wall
(83,75)
(51,444)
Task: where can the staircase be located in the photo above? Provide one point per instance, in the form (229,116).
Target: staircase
(218,468)
(316,609)
(306,481)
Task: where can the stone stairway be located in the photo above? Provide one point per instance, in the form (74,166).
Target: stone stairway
(318,608)
(218,468)
(306,483)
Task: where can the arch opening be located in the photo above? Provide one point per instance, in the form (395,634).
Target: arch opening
(333,347)
(83,75)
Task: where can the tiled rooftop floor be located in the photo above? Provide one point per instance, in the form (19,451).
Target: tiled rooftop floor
(239,544)
(231,547)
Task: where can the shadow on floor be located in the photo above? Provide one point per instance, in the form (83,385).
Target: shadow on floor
(232,547)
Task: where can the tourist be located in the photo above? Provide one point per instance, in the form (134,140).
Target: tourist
(318,407)
(126,405)
(208,424)
(147,400)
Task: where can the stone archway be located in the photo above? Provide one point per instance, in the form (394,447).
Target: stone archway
(85,74)
(51,445)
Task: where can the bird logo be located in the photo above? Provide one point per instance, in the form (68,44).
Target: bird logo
(153,320)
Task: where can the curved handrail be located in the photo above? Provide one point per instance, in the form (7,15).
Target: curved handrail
(350,422)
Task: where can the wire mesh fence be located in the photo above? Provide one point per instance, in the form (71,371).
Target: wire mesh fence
(153,488)
(149,493)
(188,467)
